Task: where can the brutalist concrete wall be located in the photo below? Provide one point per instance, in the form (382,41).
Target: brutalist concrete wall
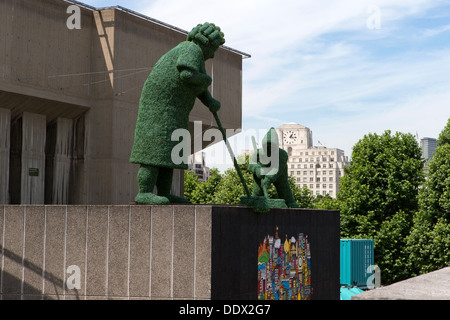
(94,76)
(105,252)
(153,252)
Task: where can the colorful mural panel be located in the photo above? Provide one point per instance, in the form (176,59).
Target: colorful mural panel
(284,268)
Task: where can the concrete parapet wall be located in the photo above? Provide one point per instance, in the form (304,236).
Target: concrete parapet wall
(153,252)
(142,252)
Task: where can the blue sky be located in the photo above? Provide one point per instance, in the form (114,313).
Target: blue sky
(342,68)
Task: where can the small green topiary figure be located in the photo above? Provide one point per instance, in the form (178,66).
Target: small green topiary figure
(269,166)
(168,96)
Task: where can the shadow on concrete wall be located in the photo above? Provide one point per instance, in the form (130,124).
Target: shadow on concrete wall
(13,288)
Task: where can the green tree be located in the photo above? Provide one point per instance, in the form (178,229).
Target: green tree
(429,241)
(326,203)
(205,191)
(191,183)
(378,196)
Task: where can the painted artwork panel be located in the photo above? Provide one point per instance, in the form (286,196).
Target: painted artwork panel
(284,268)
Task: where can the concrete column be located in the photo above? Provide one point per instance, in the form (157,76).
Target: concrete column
(27,170)
(5,129)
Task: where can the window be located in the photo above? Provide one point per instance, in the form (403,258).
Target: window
(311,180)
(305,172)
(324,186)
(324,179)
(311,166)
(305,179)
(311,186)
(299,173)
(330,179)
(317,179)
(330,186)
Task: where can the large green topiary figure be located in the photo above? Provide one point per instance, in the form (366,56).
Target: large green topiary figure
(168,96)
(275,171)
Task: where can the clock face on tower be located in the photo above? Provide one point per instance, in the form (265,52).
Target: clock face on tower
(289,137)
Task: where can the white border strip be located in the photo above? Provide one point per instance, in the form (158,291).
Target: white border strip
(65,253)
(129,252)
(171,255)
(107,257)
(44,249)
(195,251)
(86,253)
(24,216)
(150,254)
(3,252)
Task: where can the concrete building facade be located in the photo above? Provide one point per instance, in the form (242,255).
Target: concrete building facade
(315,167)
(197,164)
(69,98)
(428,146)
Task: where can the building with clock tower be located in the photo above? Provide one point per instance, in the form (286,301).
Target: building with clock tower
(316,167)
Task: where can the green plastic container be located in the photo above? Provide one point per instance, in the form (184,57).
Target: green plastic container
(356,257)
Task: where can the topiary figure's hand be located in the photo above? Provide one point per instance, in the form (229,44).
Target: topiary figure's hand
(214,105)
(209,101)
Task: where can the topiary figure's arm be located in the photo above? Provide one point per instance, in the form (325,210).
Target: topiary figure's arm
(194,77)
(206,98)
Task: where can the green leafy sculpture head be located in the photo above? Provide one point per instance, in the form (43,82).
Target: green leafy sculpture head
(208,37)
(270,141)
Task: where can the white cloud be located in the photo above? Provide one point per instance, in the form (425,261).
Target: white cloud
(436,31)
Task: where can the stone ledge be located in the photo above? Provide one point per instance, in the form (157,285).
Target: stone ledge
(431,286)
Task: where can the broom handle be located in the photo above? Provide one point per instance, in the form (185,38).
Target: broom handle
(236,166)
